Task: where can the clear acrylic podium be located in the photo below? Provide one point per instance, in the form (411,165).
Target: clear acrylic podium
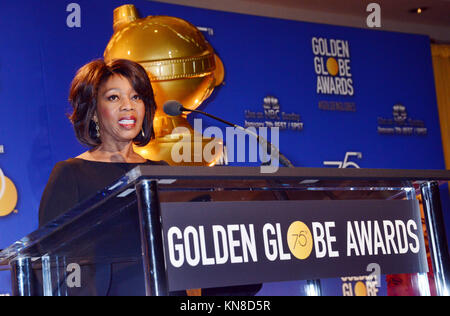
(113,243)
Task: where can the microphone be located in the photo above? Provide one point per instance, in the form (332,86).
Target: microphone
(175,108)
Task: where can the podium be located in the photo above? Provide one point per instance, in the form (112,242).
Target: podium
(159,230)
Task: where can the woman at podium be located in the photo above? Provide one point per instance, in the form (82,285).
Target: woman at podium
(113,108)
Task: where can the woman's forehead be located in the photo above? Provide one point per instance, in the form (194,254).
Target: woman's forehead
(116,82)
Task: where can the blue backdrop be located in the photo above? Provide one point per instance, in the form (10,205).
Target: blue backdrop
(263,58)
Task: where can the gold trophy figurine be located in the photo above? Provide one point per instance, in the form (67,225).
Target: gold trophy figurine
(182,66)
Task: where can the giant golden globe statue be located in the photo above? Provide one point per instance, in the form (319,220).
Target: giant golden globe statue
(182,66)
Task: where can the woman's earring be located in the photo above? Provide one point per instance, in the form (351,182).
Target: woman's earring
(142,133)
(97,128)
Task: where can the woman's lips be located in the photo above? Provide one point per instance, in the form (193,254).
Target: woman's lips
(128,122)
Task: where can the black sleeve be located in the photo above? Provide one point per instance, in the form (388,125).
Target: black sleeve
(60,194)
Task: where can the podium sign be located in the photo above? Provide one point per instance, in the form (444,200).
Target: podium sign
(212,244)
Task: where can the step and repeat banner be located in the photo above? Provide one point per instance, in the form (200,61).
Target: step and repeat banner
(341,97)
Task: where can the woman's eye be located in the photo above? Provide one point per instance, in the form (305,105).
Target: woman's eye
(113,97)
(137,97)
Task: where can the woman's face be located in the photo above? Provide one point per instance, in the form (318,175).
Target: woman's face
(120,111)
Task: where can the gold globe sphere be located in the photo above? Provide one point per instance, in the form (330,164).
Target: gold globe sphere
(332,66)
(181,66)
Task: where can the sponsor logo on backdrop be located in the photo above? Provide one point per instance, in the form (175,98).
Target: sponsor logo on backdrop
(8,192)
(400,124)
(272,116)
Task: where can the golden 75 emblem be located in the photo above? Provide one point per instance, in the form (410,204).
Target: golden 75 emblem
(300,240)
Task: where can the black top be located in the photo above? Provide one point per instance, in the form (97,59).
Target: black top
(75,180)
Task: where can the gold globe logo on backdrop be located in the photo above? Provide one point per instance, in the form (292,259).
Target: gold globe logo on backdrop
(300,240)
(360,289)
(8,195)
(181,65)
(332,66)
(360,285)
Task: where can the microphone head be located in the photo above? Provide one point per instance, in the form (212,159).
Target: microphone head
(173,108)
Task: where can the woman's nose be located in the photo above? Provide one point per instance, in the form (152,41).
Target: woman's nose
(127,104)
